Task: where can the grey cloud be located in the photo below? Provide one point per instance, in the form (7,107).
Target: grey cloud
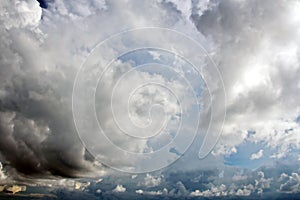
(39,59)
(36,126)
(41,51)
(292,184)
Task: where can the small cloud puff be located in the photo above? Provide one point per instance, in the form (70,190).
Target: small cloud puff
(257,155)
(119,188)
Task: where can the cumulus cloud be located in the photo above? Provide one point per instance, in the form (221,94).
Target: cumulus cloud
(37,131)
(257,155)
(119,188)
(262,183)
(151,180)
(42,49)
(243,192)
(20,14)
(291,185)
(214,191)
(260,68)
(255,44)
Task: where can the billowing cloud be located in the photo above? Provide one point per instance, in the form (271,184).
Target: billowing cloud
(152,180)
(255,44)
(21,14)
(291,184)
(259,63)
(39,60)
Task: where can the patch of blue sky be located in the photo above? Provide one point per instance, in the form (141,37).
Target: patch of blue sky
(243,155)
(142,56)
(174,67)
(175,151)
(298,119)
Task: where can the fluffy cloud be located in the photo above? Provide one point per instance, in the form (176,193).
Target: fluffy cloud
(212,192)
(243,192)
(257,155)
(262,183)
(151,180)
(41,51)
(20,14)
(290,183)
(260,67)
(119,188)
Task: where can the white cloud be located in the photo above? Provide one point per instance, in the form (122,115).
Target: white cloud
(260,65)
(196,193)
(282,177)
(151,180)
(139,191)
(119,188)
(159,192)
(243,192)
(262,183)
(26,13)
(155,55)
(214,191)
(257,155)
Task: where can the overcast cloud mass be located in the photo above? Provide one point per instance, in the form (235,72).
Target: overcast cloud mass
(248,68)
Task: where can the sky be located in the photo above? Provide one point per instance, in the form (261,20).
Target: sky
(132,99)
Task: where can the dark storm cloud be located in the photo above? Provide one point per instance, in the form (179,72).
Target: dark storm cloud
(37,131)
(36,127)
(41,51)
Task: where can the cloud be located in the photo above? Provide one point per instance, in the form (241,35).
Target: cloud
(41,51)
(262,183)
(139,191)
(257,155)
(243,192)
(152,181)
(81,185)
(291,185)
(119,188)
(159,192)
(258,62)
(78,9)
(22,14)
(37,131)
(214,191)
(2,174)
(255,44)
(182,191)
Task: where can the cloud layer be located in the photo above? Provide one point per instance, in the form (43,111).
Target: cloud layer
(255,44)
